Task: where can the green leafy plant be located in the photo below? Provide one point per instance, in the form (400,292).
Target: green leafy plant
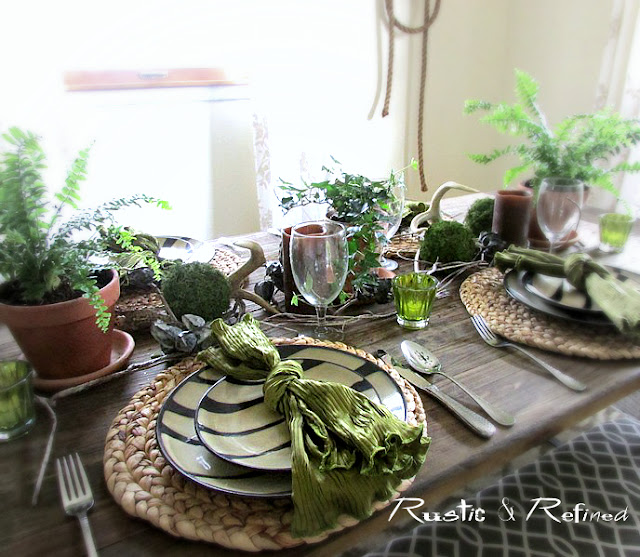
(45,258)
(357,201)
(579,147)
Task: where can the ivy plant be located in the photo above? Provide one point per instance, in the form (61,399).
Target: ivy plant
(359,203)
(44,257)
(579,147)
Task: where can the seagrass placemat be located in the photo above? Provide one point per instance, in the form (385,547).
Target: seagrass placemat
(147,487)
(483,293)
(406,244)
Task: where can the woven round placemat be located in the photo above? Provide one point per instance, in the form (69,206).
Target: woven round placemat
(147,487)
(483,293)
(406,244)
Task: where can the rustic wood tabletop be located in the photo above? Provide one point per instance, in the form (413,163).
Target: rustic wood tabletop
(541,405)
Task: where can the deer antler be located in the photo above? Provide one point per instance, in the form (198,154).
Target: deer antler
(432,214)
(238,277)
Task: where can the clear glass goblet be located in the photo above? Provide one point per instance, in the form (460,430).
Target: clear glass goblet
(391,215)
(559,208)
(319,257)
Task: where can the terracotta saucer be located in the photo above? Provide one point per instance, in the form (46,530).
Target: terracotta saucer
(122,348)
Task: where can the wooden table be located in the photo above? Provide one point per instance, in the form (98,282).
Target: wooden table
(541,405)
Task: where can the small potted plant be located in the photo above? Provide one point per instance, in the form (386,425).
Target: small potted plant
(358,202)
(580,147)
(56,296)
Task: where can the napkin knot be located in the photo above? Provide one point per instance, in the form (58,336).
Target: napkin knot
(276,387)
(347,452)
(578,266)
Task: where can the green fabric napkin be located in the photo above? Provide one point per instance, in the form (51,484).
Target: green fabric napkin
(619,301)
(348,452)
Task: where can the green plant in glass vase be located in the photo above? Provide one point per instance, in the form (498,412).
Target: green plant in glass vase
(45,258)
(579,147)
(361,204)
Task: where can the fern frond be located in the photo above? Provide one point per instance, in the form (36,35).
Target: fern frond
(527,90)
(495,154)
(70,192)
(471,106)
(626,167)
(514,172)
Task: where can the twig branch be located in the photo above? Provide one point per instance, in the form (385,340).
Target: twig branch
(157,360)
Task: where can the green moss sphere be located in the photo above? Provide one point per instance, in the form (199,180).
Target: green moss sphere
(480,216)
(447,241)
(196,288)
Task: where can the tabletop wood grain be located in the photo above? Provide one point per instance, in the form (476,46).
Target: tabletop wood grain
(541,405)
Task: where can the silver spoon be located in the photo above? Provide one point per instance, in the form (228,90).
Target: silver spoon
(424,361)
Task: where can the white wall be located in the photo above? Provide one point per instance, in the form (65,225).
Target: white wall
(473,50)
(466,59)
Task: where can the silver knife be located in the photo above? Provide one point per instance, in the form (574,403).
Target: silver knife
(474,421)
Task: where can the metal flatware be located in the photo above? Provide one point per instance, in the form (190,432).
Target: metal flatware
(76,495)
(474,421)
(425,362)
(492,340)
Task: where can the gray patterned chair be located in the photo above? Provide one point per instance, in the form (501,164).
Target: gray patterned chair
(598,470)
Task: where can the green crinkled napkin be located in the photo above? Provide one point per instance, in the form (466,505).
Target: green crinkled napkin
(348,451)
(619,301)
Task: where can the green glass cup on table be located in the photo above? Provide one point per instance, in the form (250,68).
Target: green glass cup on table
(614,231)
(413,294)
(17,413)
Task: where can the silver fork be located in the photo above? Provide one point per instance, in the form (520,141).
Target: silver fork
(76,495)
(492,340)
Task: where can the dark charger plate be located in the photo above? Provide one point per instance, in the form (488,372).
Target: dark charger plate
(514,284)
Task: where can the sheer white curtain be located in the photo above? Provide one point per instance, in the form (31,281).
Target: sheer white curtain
(282,153)
(619,87)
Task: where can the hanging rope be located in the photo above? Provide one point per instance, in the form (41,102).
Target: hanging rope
(428,20)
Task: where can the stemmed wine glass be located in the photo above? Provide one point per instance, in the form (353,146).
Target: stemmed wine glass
(391,216)
(559,208)
(319,263)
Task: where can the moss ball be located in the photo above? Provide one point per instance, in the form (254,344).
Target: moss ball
(480,216)
(196,288)
(447,241)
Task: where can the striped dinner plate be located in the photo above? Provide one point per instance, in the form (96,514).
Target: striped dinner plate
(560,293)
(177,247)
(180,446)
(233,421)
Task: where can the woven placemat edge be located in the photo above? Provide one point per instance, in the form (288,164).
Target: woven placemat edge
(120,459)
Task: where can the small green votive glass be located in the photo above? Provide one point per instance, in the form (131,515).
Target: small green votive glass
(413,294)
(17,412)
(614,232)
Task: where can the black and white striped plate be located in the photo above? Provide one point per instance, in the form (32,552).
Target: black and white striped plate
(180,446)
(176,247)
(514,285)
(560,293)
(234,422)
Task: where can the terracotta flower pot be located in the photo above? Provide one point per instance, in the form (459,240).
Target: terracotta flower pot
(62,340)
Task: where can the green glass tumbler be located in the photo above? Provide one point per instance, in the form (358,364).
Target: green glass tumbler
(614,232)
(413,294)
(17,412)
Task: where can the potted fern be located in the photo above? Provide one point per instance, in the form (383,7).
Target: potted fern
(579,147)
(55,297)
